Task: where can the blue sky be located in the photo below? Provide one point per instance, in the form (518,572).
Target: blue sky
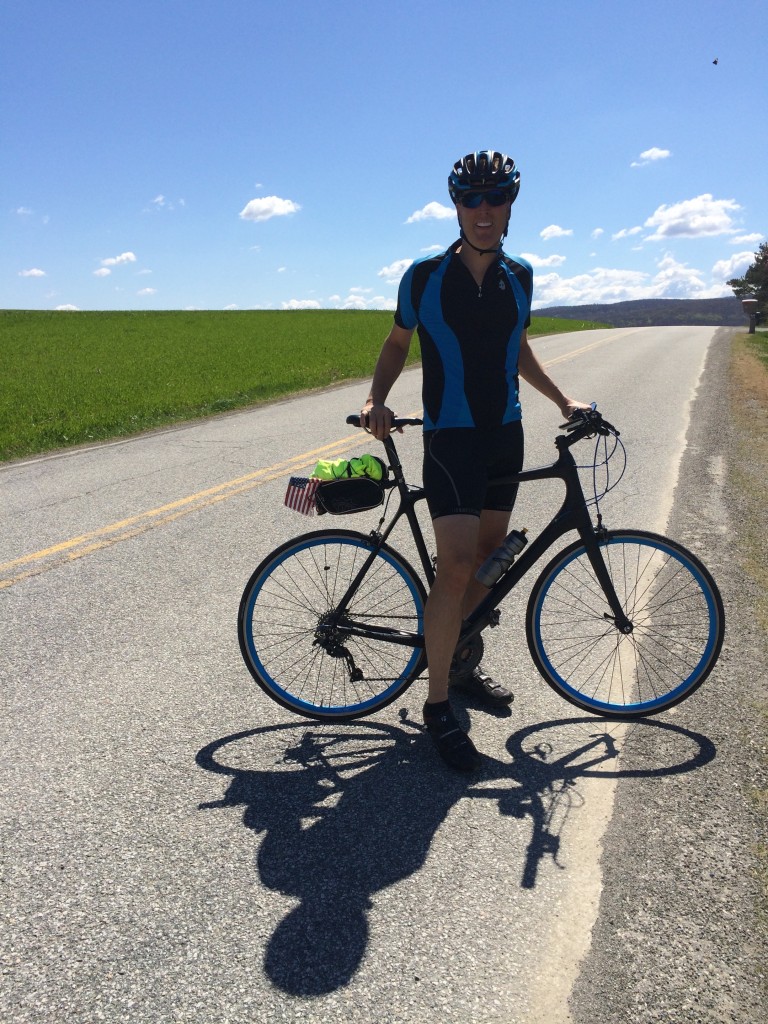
(217,154)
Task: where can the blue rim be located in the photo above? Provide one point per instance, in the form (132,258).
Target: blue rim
(331,711)
(672,695)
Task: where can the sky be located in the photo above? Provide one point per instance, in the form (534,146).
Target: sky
(238,154)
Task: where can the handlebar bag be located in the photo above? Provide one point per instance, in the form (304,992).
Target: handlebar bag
(343,496)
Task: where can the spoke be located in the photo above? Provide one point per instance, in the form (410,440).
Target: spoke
(663,599)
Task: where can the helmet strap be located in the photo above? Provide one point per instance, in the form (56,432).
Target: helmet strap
(484,252)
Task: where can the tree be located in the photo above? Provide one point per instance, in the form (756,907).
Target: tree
(755,281)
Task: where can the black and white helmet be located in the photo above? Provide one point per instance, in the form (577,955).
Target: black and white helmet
(487,168)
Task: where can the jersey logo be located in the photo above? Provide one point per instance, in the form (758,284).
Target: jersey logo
(502,286)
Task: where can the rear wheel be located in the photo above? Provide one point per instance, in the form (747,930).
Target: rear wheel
(676,613)
(320,661)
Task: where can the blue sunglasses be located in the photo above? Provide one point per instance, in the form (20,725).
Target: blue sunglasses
(494,197)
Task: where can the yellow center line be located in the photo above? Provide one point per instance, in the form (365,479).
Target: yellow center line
(125,529)
(577,352)
(87,543)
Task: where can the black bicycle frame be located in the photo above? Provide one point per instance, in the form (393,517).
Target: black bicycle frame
(572,516)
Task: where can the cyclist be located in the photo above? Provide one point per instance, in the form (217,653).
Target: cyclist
(471,307)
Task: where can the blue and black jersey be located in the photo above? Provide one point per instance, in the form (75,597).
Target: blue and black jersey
(470,336)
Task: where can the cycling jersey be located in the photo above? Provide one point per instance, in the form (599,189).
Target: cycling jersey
(470,336)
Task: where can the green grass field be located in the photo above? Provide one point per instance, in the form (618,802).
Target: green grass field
(72,378)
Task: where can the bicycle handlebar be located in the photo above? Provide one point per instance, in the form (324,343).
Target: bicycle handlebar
(354,421)
(582,423)
(587,423)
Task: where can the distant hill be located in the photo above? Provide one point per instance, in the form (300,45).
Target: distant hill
(656,313)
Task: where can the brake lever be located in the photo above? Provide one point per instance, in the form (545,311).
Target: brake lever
(589,417)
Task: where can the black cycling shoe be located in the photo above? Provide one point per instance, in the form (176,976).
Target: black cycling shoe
(453,744)
(481,686)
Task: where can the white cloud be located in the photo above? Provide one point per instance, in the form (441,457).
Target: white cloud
(32,272)
(67,309)
(650,155)
(432,211)
(233,305)
(626,233)
(433,248)
(268,207)
(678,281)
(301,304)
(102,272)
(116,261)
(752,239)
(543,261)
(597,233)
(599,285)
(733,267)
(147,291)
(703,216)
(394,271)
(353,302)
(554,231)
(672,280)
(24,211)
(360,298)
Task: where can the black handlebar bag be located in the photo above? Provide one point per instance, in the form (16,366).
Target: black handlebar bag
(344,496)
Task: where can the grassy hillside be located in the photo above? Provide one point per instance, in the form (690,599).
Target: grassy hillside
(725,312)
(73,378)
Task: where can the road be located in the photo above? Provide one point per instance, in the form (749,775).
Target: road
(178,848)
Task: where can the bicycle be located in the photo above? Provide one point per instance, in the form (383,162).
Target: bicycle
(621,623)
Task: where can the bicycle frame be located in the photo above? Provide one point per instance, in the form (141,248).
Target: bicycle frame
(572,516)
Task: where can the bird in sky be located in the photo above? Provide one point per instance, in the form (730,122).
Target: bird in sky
(715,61)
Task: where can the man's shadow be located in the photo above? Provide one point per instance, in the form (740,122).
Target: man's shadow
(350,809)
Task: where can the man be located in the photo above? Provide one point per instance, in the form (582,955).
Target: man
(471,306)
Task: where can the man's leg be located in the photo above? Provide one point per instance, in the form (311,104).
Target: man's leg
(494,526)
(456,538)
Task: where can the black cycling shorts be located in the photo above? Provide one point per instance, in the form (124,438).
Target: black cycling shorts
(459,462)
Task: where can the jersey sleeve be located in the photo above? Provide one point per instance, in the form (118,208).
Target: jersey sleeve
(405,314)
(526,279)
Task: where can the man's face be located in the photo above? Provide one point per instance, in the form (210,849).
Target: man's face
(484,224)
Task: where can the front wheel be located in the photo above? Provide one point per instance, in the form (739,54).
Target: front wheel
(677,625)
(324,641)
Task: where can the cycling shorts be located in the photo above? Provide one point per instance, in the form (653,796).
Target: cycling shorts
(459,462)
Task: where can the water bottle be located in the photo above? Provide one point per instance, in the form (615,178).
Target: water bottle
(501,559)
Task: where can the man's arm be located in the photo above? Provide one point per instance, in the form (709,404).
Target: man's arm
(389,365)
(534,373)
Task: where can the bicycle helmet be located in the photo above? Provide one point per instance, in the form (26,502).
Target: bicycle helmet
(485,169)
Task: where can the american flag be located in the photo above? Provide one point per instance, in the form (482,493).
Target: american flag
(300,495)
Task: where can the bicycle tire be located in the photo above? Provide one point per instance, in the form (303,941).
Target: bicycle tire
(292,651)
(667,593)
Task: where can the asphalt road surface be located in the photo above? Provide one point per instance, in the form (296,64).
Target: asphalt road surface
(176,847)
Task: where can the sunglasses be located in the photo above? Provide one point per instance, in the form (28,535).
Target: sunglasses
(494,197)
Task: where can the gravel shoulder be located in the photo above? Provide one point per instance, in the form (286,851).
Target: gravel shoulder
(681,932)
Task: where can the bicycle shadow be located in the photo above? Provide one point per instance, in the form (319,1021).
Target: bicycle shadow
(347,810)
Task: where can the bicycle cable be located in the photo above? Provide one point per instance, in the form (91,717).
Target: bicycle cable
(600,491)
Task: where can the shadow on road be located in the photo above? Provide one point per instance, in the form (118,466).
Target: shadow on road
(349,809)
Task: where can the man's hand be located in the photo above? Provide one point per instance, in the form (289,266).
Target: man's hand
(569,407)
(377,417)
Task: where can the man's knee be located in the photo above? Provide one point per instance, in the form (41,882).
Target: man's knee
(454,573)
